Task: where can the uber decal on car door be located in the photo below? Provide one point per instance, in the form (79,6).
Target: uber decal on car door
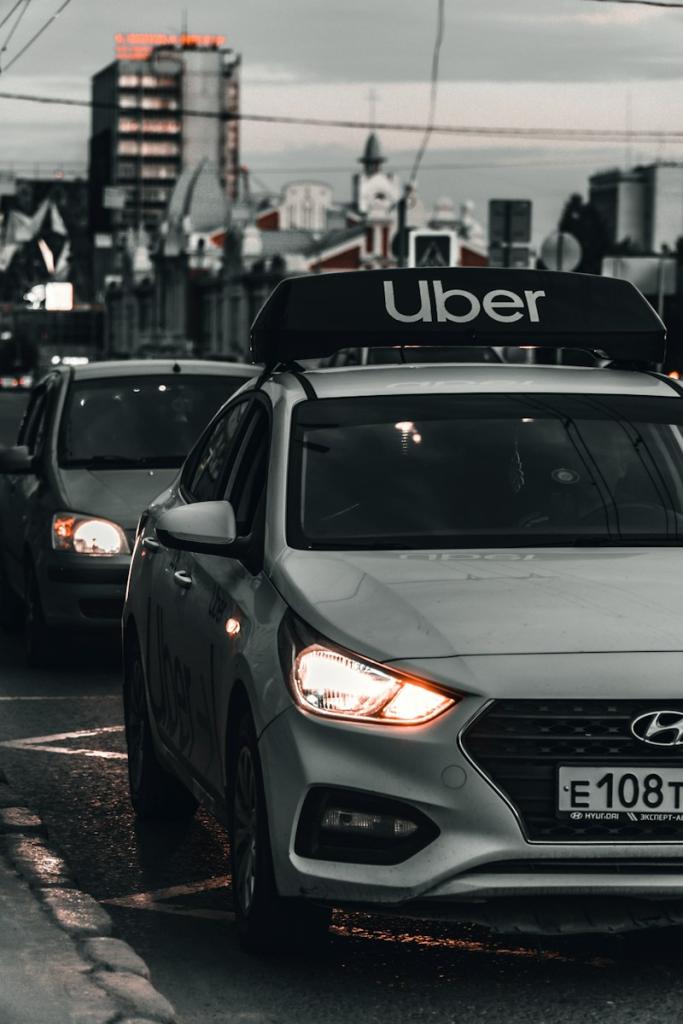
(227,598)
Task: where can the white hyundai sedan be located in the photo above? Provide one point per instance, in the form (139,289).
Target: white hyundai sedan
(413,632)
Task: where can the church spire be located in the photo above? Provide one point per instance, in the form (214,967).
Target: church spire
(373,157)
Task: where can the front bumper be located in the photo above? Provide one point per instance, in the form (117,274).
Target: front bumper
(83,592)
(480,854)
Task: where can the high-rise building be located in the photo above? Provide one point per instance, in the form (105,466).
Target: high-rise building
(163,105)
(642,206)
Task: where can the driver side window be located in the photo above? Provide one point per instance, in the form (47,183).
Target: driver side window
(32,429)
(207,472)
(246,483)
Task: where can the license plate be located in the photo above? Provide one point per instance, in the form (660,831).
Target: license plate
(615,794)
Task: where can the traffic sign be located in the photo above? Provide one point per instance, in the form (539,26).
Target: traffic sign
(561,251)
(510,221)
(432,249)
(515,256)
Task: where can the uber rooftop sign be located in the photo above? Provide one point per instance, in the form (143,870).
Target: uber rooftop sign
(501,305)
(316,315)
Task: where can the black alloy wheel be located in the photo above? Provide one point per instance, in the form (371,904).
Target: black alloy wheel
(154,792)
(266,923)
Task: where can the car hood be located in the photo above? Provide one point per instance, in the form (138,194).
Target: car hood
(117,494)
(433,604)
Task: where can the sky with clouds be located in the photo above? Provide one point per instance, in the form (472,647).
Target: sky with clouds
(568,63)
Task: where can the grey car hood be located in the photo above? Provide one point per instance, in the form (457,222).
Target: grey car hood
(435,604)
(117,494)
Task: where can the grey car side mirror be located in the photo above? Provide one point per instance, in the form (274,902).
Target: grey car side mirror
(206,527)
(16,460)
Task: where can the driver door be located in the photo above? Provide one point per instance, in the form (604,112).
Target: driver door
(172,663)
(226,598)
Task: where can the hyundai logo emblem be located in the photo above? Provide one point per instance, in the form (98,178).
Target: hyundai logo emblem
(659,728)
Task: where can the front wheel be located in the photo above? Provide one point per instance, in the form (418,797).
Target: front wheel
(266,923)
(154,792)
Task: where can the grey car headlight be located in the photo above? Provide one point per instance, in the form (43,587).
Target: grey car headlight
(329,681)
(87,535)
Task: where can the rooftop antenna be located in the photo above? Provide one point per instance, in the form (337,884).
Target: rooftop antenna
(183,27)
(372,103)
(629,128)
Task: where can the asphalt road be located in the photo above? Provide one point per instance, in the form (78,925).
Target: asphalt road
(62,744)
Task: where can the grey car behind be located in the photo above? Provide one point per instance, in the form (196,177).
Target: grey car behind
(96,444)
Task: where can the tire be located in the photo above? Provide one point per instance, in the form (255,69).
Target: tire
(266,923)
(154,792)
(43,645)
(11,605)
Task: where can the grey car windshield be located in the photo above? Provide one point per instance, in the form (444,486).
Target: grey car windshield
(145,420)
(476,470)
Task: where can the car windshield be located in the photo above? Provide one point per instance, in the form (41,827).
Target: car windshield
(139,421)
(486,470)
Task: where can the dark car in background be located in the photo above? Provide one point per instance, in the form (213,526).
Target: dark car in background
(18,362)
(96,444)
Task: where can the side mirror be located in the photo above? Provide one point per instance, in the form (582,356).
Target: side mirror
(16,460)
(207,528)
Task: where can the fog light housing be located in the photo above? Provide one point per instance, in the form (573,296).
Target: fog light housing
(386,826)
(360,828)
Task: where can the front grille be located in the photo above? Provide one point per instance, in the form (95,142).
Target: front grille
(520,744)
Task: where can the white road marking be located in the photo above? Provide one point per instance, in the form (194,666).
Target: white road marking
(47,743)
(153,900)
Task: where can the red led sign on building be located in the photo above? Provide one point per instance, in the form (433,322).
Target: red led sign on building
(139,45)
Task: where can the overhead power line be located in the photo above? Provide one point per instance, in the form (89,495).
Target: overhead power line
(433,90)
(9,14)
(15,26)
(548,134)
(477,165)
(642,3)
(36,36)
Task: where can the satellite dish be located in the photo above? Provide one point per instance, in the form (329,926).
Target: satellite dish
(561,251)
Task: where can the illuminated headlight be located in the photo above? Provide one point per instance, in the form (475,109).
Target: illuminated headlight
(87,535)
(330,682)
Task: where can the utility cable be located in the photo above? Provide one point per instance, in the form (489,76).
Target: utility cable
(13,29)
(434,87)
(478,131)
(34,38)
(642,3)
(9,14)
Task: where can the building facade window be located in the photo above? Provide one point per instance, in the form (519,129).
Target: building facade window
(128,81)
(155,195)
(131,147)
(127,169)
(149,125)
(159,171)
(131,101)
